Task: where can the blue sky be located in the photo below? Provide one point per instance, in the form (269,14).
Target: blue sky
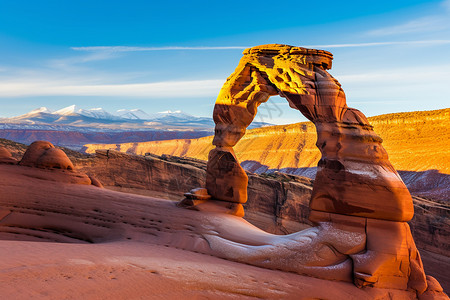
(390,56)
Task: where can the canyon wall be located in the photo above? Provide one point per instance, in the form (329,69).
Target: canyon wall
(76,139)
(277,202)
(415,141)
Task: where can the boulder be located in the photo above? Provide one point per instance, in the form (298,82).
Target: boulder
(43,154)
(6,157)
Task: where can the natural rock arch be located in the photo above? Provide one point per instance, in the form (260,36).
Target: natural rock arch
(353,162)
(359,203)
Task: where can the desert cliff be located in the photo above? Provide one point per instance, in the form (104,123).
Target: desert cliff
(407,137)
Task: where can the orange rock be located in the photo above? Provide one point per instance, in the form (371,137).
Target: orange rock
(34,152)
(225,178)
(43,154)
(6,157)
(359,202)
(54,158)
(353,161)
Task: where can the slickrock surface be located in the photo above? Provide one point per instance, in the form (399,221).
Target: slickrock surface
(278,203)
(82,242)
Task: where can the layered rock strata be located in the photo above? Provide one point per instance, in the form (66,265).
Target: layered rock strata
(359,203)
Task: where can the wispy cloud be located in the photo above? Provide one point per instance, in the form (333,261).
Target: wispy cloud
(425,84)
(138,49)
(81,59)
(375,44)
(109,50)
(399,76)
(428,23)
(166,89)
(425,24)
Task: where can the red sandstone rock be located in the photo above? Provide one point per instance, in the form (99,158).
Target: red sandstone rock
(97,235)
(44,155)
(6,157)
(225,178)
(54,158)
(34,152)
(353,161)
(357,193)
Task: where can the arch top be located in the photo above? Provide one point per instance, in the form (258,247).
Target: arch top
(314,56)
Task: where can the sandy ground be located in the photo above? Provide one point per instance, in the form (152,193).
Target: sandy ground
(130,270)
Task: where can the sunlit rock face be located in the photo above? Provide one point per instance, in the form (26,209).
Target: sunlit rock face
(43,154)
(55,164)
(6,156)
(353,162)
(359,203)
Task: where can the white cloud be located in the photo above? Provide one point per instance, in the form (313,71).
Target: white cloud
(428,23)
(27,88)
(374,44)
(399,76)
(106,52)
(446,5)
(113,49)
(426,85)
(69,62)
(425,24)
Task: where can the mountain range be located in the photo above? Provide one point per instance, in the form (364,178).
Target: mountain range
(98,119)
(72,127)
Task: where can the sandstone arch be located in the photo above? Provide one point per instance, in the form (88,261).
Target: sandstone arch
(353,163)
(359,203)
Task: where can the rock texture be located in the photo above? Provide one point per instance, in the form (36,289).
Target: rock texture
(76,139)
(277,203)
(43,155)
(6,156)
(359,203)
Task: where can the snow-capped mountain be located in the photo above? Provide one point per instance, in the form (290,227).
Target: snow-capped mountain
(73,126)
(133,114)
(40,110)
(123,119)
(96,113)
(66,110)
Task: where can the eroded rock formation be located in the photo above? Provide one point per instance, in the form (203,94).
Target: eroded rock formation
(359,203)
(44,155)
(6,156)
